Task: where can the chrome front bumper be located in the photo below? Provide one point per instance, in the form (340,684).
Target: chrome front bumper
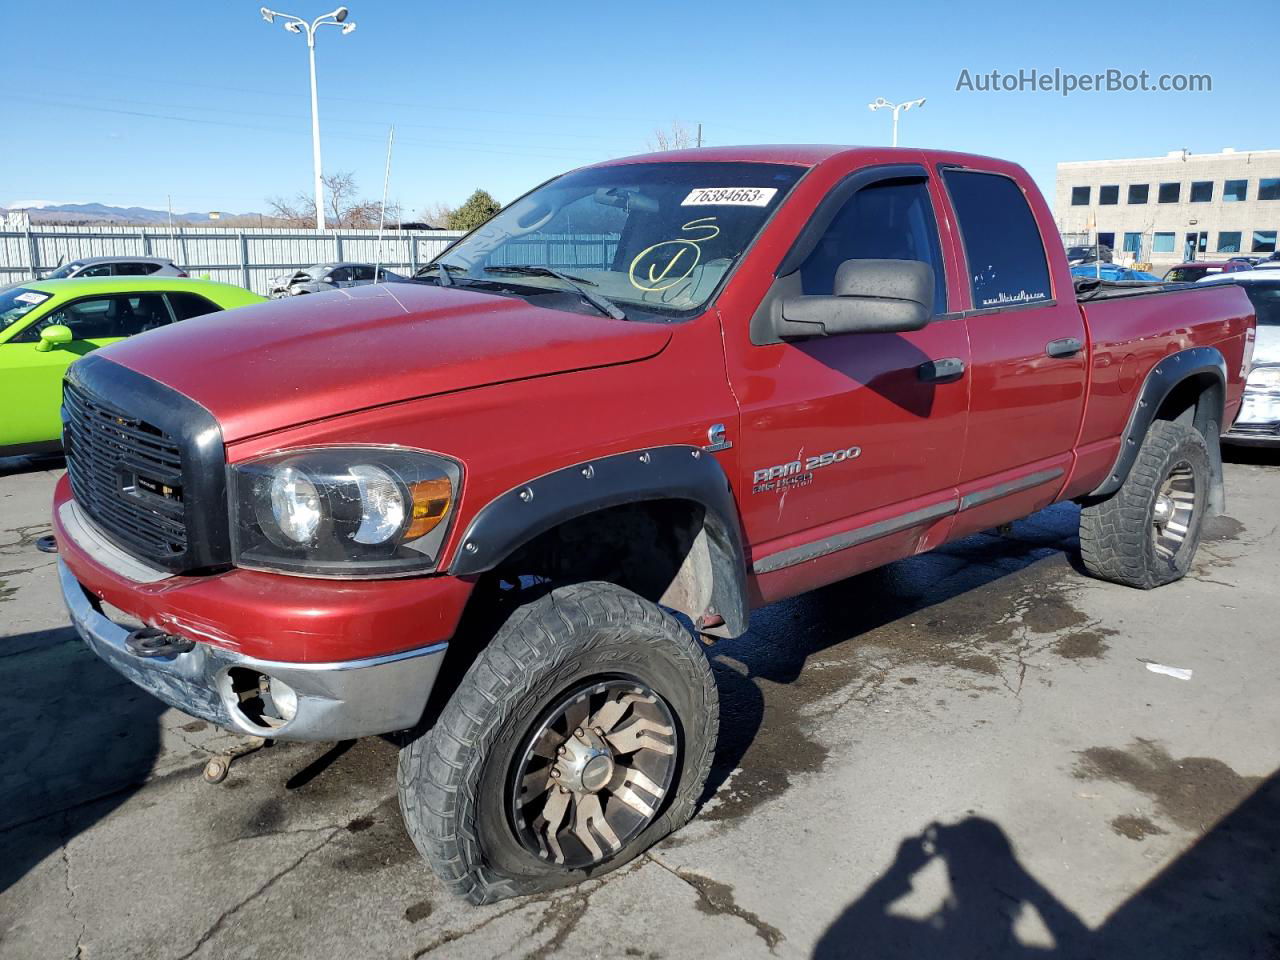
(336,701)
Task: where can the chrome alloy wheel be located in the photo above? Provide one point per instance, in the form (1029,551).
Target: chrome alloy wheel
(594,774)
(1173,510)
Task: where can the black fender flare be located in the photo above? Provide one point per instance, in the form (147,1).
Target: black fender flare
(1165,377)
(676,472)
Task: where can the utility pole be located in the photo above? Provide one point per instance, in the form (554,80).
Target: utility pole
(699,134)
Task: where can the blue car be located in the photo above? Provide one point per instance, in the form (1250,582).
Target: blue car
(1113,273)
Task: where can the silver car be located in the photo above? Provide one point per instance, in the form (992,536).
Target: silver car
(117,267)
(1258,423)
(328,276)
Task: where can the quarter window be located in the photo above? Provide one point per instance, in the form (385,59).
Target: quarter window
(1080,196)
(1235,191)
(188,305)
(1264,241)
(1170,192)
(1229,241)
(1202,191)
(1002,242)
(892,220)
(1109,196)
(1138,192)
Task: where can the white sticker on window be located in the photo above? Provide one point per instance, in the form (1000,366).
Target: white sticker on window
(31,296)
(730,197)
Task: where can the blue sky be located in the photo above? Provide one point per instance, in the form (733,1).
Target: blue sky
(207,103)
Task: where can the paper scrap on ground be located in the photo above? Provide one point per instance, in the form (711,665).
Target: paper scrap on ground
(1177,672)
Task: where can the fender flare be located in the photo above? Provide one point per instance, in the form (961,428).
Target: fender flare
(1165,377)
(676,472)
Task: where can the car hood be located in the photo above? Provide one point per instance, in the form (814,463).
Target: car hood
(277,364)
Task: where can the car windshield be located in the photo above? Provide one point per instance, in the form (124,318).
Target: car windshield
(17,303)
(654,238)
(1186,274)
(65,270)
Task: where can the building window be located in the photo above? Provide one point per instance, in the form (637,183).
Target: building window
(1235,191)
(1170,192)
(1162,243)
(1138,192)
(1109,196)
(1269,188)
(1080,196)
(1107,240)
(1133,243)
(1202,191)
(1264,241)
(1229,241)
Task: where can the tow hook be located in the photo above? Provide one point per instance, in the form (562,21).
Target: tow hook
(216,770)
(150,642)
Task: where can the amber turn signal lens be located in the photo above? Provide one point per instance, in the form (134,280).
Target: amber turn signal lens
(430,505)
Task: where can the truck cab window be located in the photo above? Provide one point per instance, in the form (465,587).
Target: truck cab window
(892,220)
(1002,242)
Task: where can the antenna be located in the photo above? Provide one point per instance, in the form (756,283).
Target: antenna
(382,211)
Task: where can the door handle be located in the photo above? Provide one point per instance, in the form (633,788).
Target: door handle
(947,368)
(1066,347)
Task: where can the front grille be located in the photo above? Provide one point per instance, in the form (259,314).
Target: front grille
(126,475)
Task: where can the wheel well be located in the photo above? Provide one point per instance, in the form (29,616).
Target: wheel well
(1198,402)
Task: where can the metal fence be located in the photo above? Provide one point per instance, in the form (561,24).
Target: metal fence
(248,257)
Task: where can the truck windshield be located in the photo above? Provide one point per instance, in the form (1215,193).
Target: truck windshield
(16,304)
(651,237)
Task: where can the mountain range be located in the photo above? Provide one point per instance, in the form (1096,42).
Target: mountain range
(43,212)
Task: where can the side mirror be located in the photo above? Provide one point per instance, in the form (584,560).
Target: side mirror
(871,296)
(54,335)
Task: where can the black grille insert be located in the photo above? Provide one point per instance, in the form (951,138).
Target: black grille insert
(117,465)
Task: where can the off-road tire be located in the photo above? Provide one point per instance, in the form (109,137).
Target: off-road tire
(453,779)
(1116,541)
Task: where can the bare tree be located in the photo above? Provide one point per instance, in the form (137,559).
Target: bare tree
(675,137)
(436,214)
(343,206)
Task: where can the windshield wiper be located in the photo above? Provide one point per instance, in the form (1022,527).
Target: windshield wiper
(442,272)
(599,301)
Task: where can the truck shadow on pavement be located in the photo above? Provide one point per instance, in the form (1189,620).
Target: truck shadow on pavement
(79,740)
(1221,898)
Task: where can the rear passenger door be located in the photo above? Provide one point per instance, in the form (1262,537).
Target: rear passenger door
(1029,354)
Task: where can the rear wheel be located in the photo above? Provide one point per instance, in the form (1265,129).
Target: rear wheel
(581,735)
(1147,532)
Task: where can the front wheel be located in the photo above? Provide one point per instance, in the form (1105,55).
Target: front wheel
(1147,532)
(581,735)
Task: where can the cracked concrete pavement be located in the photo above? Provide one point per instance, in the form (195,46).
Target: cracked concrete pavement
(962,755)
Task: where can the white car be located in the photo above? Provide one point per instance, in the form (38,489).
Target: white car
(1258,422)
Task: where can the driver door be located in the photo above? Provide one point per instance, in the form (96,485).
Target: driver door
(31,379)
(852,444)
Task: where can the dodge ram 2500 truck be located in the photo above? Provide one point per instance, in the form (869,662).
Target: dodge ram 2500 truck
(643,399)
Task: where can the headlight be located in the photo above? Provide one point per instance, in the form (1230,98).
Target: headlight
(343,511)
(1264,378)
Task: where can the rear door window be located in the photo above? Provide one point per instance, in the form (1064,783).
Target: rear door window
(362,273)
(890,220)
(1002,243)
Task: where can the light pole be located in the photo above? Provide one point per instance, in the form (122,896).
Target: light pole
(308,29)
(880,103)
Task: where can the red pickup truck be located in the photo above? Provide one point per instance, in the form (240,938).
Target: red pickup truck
(687,384)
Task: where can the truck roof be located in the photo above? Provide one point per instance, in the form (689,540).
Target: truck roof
(798,154)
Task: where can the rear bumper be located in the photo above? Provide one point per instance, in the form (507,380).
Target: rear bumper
(335,701)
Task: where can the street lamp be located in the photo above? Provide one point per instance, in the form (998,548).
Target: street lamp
(298,25)
(880,103)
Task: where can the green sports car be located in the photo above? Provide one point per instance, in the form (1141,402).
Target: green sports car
(46,324)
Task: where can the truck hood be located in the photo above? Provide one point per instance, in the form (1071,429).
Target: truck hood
(273,365)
